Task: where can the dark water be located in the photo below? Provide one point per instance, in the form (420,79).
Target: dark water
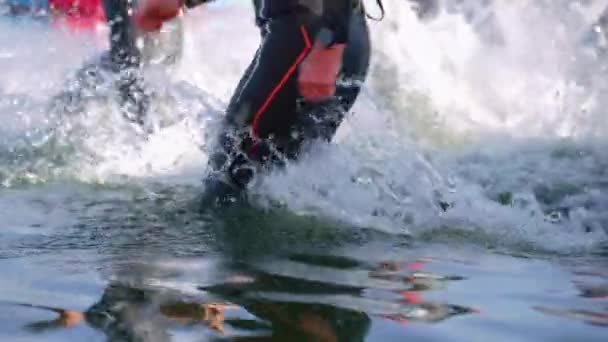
(98,263)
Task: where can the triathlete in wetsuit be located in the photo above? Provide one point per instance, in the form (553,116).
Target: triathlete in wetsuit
(288,94)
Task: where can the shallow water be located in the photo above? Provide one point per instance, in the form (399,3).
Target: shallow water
(465,199)
(111,264)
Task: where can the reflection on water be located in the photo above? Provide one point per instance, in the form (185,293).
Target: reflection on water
(170,274)
(302,300)
(591,284)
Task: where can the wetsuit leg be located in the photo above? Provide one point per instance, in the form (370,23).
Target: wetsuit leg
(263,110)
(287,123)
(125,59)
(122,33)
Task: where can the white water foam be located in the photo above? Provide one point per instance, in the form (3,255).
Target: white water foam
(453,116)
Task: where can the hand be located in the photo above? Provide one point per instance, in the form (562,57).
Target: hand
(319,71)
(151,14)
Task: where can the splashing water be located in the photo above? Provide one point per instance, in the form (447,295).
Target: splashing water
(494,111)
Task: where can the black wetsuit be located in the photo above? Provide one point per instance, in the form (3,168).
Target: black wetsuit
(125,58)
(267,119)
(123,47)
